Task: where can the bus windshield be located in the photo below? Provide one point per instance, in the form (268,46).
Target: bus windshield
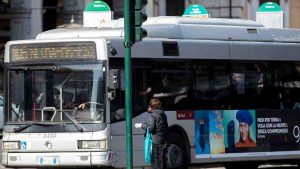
(60,93)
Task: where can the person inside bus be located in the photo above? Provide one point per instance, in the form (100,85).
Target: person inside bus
(245,120)
(157,124)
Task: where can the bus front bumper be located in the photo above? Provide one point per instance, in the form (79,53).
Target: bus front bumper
(57,159)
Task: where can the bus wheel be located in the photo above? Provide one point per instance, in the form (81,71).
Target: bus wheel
(175,154)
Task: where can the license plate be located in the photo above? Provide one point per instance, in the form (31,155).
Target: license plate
(47,160)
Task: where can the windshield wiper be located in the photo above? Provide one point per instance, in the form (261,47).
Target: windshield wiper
(81,128)
(18,129)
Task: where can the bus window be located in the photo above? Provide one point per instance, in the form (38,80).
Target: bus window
(211,84)
(171,83)
(247,83)
(285,78)
(61,90)
(141,89)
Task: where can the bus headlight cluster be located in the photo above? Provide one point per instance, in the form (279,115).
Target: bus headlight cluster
(11,145)
(92,144)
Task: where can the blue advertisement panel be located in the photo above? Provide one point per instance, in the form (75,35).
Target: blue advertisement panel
(239,129)
(202,132)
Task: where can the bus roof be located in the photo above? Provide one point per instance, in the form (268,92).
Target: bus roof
(184,28)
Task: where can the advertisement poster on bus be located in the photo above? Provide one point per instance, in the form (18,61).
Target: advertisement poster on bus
(209,135)
(246,131)
(202,133)
(278,130)
(239,130)
(216,133)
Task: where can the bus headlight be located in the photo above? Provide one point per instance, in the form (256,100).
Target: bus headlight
(11,145)
(92,144)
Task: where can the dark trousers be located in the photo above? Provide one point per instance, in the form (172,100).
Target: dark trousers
(158,160)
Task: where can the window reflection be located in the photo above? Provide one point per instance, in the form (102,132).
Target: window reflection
(211,85)
(39,93)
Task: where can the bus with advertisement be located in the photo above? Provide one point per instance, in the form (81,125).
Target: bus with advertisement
(230,90)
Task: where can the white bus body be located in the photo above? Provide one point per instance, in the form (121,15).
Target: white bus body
(201,69)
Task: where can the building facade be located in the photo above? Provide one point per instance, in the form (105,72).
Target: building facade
(24,19)
(241,9)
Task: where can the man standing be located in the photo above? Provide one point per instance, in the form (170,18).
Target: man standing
(157,124)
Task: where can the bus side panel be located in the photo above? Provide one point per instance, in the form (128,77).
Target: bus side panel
(264,51)
(203,49)
(118,142)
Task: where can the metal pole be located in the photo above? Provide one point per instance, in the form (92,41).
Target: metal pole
(230,8)
(127,69)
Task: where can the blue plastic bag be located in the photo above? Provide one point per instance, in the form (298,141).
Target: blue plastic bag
(148,147)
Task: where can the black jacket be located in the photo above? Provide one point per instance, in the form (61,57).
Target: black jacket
(157,124)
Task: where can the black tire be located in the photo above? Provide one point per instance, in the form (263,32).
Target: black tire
(176,153)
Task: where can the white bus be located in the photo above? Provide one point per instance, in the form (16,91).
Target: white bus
(230,90)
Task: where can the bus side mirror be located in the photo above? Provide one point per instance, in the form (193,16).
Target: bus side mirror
(113,83)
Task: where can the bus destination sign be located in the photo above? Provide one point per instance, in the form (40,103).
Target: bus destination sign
(52,51)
